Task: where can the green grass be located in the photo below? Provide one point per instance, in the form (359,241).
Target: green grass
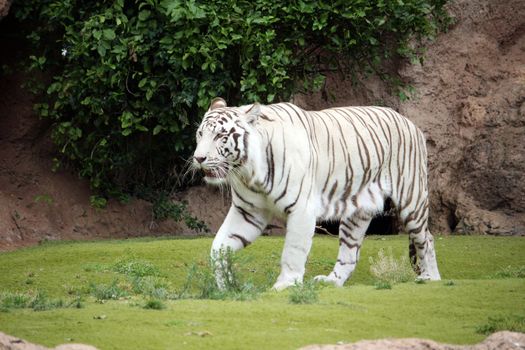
(486,272)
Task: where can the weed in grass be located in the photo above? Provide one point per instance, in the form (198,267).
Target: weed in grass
(154,304)
(38,301)
(513,323)
(107,292)
(41,302)
(13,301)
(420,281)
(386,268)
(511,272)
(305,293)
(449,283)
(135,267)
(382,285)
(76,303)
(175,323)
(201,280)
(151,286)
(95,267)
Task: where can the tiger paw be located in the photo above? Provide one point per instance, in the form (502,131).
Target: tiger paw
(329,279)
(281,285)
(428,277)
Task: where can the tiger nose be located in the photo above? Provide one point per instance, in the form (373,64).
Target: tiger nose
(199,159)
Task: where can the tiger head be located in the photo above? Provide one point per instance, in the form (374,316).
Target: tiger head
(222,140)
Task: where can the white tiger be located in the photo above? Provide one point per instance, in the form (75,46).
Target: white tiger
(303,166)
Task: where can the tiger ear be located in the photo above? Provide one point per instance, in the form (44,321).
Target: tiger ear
(253,113)
(217,102)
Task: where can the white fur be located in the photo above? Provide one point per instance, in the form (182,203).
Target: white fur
(302,166)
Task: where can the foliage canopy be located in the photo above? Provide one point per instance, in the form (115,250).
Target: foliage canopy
(132,78)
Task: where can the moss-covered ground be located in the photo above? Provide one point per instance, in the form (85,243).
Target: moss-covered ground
(482,281)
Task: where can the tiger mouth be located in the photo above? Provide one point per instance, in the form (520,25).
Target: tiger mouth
(217,174)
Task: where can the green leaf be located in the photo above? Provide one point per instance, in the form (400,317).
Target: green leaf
(143,82)
(101,50)
(109,34)
(157,129)
(144,15)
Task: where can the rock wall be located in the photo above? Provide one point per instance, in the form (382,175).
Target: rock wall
(470,102)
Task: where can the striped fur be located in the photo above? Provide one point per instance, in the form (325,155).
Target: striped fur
(303,166)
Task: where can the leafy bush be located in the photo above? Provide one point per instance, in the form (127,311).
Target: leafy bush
(130,79)
(389,270)
(113,291)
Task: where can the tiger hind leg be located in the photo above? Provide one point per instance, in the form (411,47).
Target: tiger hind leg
(421,247)
(351,233)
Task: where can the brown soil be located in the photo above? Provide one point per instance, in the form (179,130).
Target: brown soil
(470,102)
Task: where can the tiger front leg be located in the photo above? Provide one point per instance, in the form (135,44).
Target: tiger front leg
(240,228)
(300,228)
(351,234)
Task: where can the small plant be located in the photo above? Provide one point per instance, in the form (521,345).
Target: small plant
(382,285)
(44,198)
(154,304)
(112,291)
(164,208)
(94,267)
(151,286)
(41,302)
(388,269)
(76,303)
(13,301)
(513,323)
(449,283)
(201,282)
(304,293)
(98,202)
(135,268)
(38,301)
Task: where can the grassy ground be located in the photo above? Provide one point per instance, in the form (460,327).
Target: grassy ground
(482,283)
